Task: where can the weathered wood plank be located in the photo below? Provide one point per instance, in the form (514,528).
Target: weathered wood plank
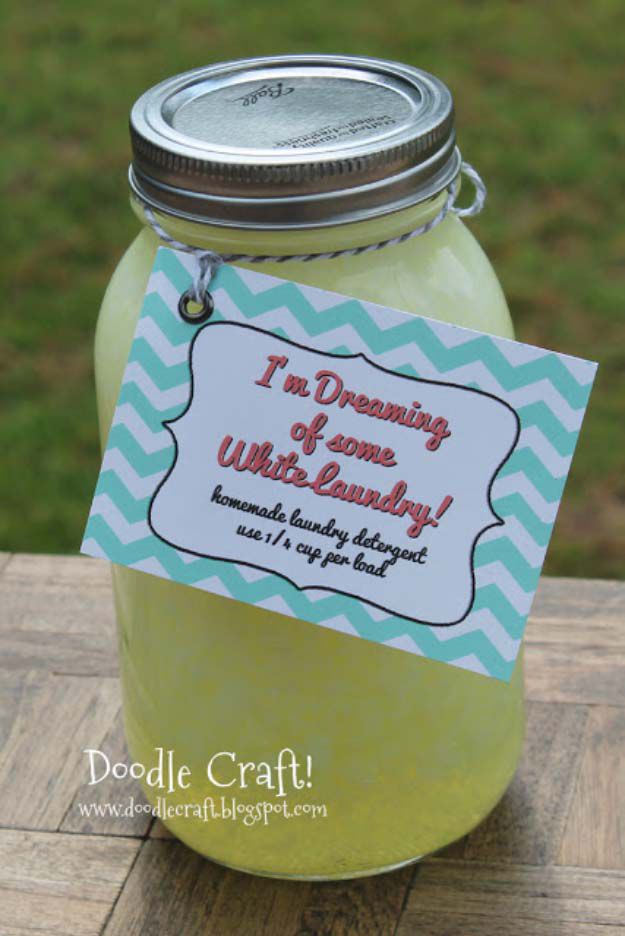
(577,632)
(110,792)
(42,761)
(58,652)
(527,825)
(12,686)
(57,623)
(60,884)
(588,601)
(170,890)
(461,924)
(57,616)
(577,674)
(575,642)
(255,906)
(4,560)
(365,907)
(499,892)
(595,831)
(57,607)
(39,568)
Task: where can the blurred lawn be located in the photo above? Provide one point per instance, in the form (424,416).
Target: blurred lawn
(537,88)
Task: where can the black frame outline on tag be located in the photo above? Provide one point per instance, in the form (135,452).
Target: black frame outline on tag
(499,521)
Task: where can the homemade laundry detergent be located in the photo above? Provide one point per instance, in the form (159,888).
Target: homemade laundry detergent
(397,754)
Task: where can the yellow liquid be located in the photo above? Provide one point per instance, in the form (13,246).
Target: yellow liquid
(407,754)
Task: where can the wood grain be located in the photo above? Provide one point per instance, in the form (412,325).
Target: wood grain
(549,861)
(4,559)
(575,643)
(70,654)
(517,892)
(365,907)
(462,924)
(109,791)
(49,620)
(572,602)
(12,687)
(41,763)
(528,825)
(595,832)
(582,674)
(170,890)
(36,569)
(208,900)
(278,906)
(60,884)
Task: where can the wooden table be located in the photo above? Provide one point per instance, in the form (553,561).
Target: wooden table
(549,861)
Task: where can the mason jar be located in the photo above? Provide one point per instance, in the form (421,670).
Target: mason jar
(305,155)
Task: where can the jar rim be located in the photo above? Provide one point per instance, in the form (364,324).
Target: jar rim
(202,152)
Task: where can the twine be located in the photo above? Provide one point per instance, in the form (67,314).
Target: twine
(209,261)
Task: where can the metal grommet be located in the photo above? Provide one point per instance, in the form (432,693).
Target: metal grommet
(202,314)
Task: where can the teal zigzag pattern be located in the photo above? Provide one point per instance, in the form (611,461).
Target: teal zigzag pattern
(507,559)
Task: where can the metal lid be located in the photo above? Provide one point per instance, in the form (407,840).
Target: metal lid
(293,141)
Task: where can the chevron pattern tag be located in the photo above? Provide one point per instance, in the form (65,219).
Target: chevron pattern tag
(379,473)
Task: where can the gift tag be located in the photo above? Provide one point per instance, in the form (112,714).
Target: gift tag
(380,473)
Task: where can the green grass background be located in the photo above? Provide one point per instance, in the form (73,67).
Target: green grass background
(539,91)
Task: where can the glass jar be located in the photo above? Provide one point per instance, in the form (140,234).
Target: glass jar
(408,754)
